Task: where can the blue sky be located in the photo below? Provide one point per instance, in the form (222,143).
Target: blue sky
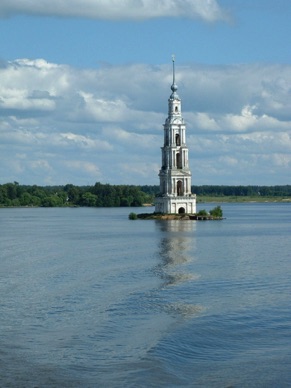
(84,87)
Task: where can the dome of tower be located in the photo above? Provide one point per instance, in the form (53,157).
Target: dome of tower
(174,87)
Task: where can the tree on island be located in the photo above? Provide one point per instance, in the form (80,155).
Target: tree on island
(216,212)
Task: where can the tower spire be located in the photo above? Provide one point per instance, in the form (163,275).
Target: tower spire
(174,86)
(173,60)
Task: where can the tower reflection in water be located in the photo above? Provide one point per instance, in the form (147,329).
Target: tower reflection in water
(176,267)
(177,250)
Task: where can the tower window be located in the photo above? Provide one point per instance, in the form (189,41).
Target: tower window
(178,160)
(179,188)
(176,109)
(178,143)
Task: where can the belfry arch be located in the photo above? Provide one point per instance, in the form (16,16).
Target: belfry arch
(180,188)
(178,160)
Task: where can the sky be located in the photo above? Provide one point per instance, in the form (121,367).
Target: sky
(84,88)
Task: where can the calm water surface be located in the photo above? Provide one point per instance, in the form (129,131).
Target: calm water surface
(92,299)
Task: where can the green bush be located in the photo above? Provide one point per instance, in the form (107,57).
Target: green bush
(203,212)
(132,216)
(216,212)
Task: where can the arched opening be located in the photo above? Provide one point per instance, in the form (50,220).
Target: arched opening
(179,188)
(178,160)
(178,142)
(176,109)
(181,210)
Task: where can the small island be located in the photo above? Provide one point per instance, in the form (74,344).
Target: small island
(202,215)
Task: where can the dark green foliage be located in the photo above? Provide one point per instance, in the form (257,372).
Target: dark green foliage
(88,199)
(202,212)
(121,195)
(100,195)
(216,212)
(105,195)
(132,216)
(152,190)
(238,191)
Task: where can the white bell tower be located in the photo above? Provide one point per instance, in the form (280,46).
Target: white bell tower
(175,176)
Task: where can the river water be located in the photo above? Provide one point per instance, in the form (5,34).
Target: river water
(92,299)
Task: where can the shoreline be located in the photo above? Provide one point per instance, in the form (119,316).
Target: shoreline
(243,200)
(182,217)
(210,200)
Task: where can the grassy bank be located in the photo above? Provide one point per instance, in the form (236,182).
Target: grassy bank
(223,199)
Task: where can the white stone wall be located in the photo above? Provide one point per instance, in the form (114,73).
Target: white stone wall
(172,205)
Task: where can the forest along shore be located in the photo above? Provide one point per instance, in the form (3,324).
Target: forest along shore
(106,195)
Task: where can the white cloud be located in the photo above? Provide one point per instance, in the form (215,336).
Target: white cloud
(138,169)
(123,138)
(282,160)
(82,142)
(208,10)
(203,121)
(229,161)
(20,100)
(59,124)
(83,166)
(40,164)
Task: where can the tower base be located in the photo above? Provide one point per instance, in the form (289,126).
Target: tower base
(176,205)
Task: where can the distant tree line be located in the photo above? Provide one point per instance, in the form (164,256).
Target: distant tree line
(237,191)
(105,195)
(99,195)
(253,191)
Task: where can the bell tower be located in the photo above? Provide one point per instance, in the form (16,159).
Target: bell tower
(175,176)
